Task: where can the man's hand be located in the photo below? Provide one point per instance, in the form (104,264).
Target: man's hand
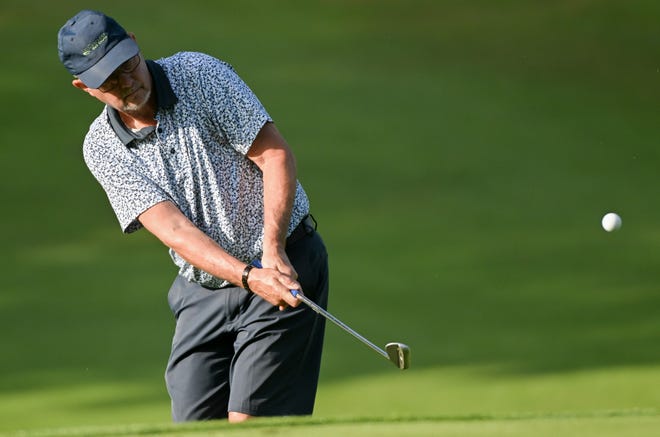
(274,286)
(280,262)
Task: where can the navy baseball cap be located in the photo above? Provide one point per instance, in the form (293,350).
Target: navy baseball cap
(92,45)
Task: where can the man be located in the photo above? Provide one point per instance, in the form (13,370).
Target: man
(184,149)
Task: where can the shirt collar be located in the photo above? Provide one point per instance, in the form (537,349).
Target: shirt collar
(165,98)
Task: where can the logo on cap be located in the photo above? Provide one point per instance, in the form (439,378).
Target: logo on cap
(95,44)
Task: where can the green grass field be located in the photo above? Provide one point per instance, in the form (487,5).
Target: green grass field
(459,156)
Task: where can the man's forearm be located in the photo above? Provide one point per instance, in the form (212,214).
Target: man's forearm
(166,222)
(279,175)
(271,153)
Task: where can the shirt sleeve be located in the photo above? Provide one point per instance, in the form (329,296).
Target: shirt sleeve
(234,109)
(129,190)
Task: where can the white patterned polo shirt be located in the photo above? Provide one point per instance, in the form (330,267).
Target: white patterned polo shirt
(207,119)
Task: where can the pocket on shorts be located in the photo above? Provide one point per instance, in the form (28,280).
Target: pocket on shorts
(174,296)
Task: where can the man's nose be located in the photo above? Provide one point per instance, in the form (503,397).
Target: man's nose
(124,79)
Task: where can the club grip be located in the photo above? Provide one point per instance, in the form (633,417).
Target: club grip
(257,264)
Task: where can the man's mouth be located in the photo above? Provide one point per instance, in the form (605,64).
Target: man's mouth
(130,93)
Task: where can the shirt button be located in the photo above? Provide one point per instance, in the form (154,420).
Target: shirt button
(172,151)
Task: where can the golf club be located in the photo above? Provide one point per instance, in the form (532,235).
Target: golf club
(397,353)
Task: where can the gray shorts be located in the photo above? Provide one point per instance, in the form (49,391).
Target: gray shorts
(233,351)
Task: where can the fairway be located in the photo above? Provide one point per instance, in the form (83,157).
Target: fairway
(459,157)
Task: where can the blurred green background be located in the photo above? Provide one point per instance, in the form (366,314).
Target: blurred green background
(459,156)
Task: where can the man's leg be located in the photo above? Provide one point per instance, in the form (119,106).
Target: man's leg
(197,373)
(278,353)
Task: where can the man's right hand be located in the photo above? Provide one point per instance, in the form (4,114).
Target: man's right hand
(274,287)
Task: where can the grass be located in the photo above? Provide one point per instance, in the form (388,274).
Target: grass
(420,401)
(599,423)
(459,157)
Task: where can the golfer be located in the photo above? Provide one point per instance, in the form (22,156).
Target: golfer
(184,149)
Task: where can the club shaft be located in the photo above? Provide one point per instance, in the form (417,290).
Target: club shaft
(310,303)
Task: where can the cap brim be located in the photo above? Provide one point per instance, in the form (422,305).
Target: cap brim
(99,72)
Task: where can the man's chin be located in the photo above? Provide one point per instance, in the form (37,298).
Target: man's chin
(136,101)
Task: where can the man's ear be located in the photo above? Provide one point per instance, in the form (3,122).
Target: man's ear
(80,85)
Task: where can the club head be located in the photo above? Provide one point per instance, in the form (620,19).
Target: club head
(399,354)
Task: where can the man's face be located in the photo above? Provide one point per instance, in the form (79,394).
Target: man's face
(127,89)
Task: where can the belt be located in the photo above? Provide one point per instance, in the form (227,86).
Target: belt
(306,226)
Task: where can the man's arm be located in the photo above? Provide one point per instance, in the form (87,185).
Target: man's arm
(173,228)
(271,153)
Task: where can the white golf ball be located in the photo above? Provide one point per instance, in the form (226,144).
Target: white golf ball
(611,221)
